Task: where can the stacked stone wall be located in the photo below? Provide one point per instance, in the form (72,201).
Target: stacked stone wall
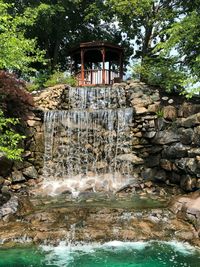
(165,138)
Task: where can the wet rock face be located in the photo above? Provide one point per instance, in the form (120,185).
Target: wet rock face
(188,207)
(88,220)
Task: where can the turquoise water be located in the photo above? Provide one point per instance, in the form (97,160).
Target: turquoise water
(112,254)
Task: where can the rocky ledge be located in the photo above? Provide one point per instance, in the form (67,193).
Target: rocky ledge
(91,218)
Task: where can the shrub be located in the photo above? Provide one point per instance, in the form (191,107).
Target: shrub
(9,138)
(161,72)
(60,77)
(14,99)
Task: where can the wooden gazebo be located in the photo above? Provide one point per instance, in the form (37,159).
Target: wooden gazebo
(97,63)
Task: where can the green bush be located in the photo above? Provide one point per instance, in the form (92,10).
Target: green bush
(9,138)
(60,77)
(161,72)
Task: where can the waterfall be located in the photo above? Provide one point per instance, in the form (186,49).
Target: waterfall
(83,144)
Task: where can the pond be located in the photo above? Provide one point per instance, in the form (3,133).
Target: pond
(110,254)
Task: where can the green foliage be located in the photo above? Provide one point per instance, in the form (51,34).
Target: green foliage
(16,51)
(61,25)
(144,21)
(60,78)
(37,82)
(160,113)
(9,138)
(162,72)
(184,36)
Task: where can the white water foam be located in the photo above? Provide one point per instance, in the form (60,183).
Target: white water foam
(65,252)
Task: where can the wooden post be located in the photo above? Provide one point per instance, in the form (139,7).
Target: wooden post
(109,73)
(103,73)
(121,66)
(91,73)
(82,67)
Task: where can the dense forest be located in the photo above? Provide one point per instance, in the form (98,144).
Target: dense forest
(161,39)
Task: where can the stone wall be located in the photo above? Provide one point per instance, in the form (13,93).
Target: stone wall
(165,137)
(18,175)
(165,132)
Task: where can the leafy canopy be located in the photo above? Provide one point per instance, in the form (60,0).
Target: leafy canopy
(16,51)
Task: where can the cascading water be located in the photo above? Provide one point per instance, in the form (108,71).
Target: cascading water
(83,145)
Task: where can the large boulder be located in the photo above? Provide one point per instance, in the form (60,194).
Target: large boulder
(189,208)
(169,113)
(174,151)
(30,172)
(166,137)
(186,135)
(190,121)
(17,176)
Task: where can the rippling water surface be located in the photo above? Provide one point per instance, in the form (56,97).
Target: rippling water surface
(111,254)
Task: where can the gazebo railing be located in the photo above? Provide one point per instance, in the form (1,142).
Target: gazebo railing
(96,76)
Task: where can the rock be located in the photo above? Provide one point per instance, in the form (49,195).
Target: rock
(188,183)
(196,137)
(16,187)
(174,151)
(165,98)
(10,207)
(148,174)
(187,109)
(189,208)
(5,165)
(193,152)
(186,136)
(189,165)
(17,176)
(169,113)
(154,107)
(190,121)
(149,134)
(166,137)
(170,101)
(152,161)
(30,172)
(39,142)
(148,184)
(1,180)
(166,164)
(31,123)
(5,189)
(175,178)
(130,157)
(140,110)
(160,175)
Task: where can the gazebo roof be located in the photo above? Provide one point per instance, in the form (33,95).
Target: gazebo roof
(95,44)
(91,54)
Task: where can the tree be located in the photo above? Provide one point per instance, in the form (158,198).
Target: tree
(14,103)
(183,46)
(17,52)
(62,24)
(144,21)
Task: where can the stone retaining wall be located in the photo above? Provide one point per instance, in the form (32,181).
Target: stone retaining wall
(165,135)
